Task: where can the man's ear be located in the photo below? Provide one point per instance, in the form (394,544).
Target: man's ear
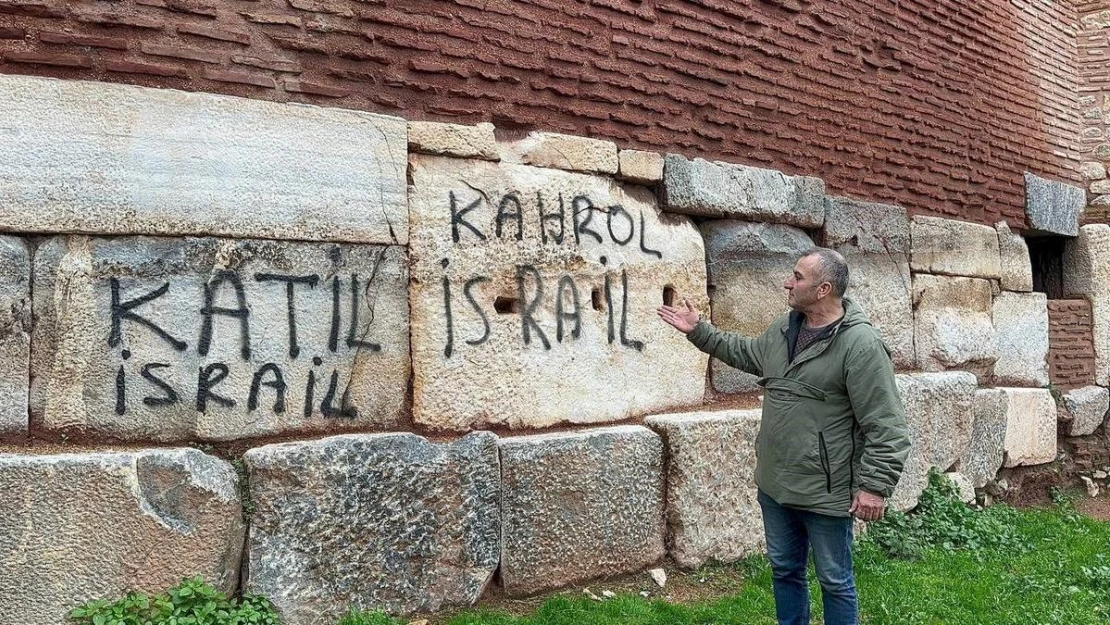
(824,289)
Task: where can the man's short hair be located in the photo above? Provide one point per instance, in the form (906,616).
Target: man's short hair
(834,269)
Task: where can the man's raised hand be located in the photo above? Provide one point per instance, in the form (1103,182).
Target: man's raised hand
(684,319)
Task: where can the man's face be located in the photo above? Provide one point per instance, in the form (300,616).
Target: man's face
(803,287)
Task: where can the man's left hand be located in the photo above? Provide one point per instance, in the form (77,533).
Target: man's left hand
(867,506)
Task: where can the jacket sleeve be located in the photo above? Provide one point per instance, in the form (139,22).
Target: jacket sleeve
(730,348)
(869,377)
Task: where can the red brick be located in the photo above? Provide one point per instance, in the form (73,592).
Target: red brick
(220,34)
(275,64)
(320,7)
(151,69)
(116,18)
(243,78)
(300,44)
(180,52)
(312,88)
(7,32)
(46,58)
(271,18)
(33,8)
(112,43)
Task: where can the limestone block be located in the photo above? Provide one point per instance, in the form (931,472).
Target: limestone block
(579,505)
(380,521)
(1021,339)
(641,167)
(1053,207)
(569,152)
(454,140)
(717,189)
(983,458)
(1093,170)
(1087,274)
(875,241)
(747,264)
(1017,270)
(953,328)
(15,334)
(155,161)
(78,527)
(712,512)
(939,417)
(1087,408)
(217,339)
(955,248)
(548,317)
(1030,427)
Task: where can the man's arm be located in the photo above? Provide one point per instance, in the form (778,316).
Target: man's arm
(734,350)
(869,376)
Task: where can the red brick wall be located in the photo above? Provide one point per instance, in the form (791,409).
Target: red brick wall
(1071,353)
(937,105)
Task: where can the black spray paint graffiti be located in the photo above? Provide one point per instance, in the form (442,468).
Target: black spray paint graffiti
(269,378)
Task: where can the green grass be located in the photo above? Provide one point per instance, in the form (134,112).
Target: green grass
(1054,567)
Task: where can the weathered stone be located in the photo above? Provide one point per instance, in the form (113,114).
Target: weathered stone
(712,512)
(454,140)
(1087,274)
(217,339)
(963,486)
(938,410)
(380,521)
(1017,270)
(955,248)
(94,526)
(1030,427)
(1087,408)
(953,328)
(747,264)
(1100,186)
(875,240)
(716,189)
(518,326)
(579,505)
(155,161)
(1021,339)
(641,167)
(570,152)
(1093,170)
(983,458)
(15,334)
(1053,207)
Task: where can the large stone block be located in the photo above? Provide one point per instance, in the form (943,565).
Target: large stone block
(78,527)
(1087,408)
(875,241)
(953,326)
(1030,426)
(716,189)
(570,152)
(712,511)
(1087,274)
(747,264)
(1017,269)
(382,521)
(580,505)
(454,140)
(1021,338)
(15,335)
(134,160)
(939,409)
(534,295)
(171,339)
(1053,207)
(955,248)
(641,167)
(983,458)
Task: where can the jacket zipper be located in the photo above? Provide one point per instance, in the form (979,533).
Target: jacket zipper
(825,462)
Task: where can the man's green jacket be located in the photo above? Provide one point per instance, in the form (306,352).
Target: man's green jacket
(832,419)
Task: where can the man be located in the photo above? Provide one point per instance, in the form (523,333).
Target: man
(833,437)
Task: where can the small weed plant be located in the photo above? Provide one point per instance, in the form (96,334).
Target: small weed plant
(942,520)
(192,602)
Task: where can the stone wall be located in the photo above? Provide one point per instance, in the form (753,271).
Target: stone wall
(390,316)
(961,98)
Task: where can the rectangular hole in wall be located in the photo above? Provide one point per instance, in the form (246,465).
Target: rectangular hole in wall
(1046,254)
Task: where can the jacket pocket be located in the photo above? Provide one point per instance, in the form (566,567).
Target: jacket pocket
(825,465)
(793,388)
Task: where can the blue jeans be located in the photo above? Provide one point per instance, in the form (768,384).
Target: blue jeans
(790,532)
